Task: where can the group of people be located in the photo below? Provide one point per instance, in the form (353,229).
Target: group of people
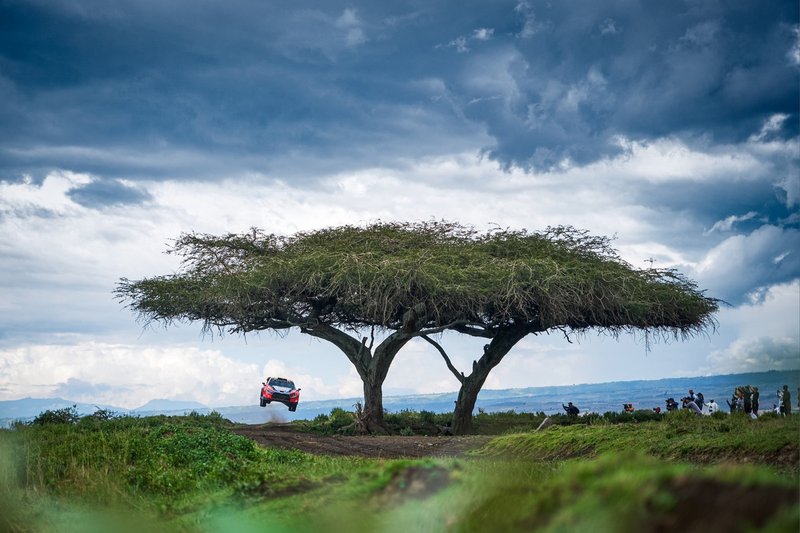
(744,400)
(694,402)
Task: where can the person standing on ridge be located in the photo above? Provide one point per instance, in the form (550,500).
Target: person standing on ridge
(755,400)
(748,405)
(787,401)
(571,410)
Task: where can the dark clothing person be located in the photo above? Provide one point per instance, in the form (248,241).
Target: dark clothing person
(699,400)
(732,404)
(748,404)
(787,401)
(755,400)
(571,410)
(672,405)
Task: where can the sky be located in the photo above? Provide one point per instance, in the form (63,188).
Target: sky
(672,127)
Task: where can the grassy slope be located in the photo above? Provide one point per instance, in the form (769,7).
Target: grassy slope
(192,474)
(681,436)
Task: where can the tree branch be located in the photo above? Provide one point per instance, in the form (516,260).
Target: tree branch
(459,375)
(352,348)
(451,325)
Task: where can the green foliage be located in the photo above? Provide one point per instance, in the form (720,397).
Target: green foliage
(445,272)
(67,415)
(338,421)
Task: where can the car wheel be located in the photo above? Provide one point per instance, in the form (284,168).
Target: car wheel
(263,402)
(293,407)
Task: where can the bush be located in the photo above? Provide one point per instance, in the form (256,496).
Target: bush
(67,415)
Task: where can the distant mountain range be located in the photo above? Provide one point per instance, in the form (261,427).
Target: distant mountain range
(596,397)
(27,409)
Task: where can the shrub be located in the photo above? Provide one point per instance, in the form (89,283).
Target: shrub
(67,415)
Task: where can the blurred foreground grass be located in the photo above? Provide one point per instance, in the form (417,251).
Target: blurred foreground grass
(192,474)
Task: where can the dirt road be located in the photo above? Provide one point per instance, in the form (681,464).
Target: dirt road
(388,447)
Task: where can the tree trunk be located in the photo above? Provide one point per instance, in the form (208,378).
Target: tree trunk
(373,408)
(503,340)
(375,375)
(465,405)
(371,367)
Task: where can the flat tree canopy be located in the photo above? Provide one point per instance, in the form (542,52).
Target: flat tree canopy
(444,274)
(412,280)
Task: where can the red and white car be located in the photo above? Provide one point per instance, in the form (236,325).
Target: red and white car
(280,390)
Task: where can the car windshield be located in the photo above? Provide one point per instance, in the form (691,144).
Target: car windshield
(281,383)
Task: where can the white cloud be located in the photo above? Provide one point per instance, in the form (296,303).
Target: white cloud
(131,375)
(674,160)
(25,197)
(349,22)
(460,44)
(727,223)
(482,34)
(764,333)
(609,27)
(756,355)
(531,25)
(794,52)
(771,125)
(743,261)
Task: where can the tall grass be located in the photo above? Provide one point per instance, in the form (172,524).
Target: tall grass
(193,474)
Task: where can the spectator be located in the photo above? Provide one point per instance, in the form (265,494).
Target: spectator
(732,403)
(689,404)
(699,400)
(747,393)
(787,401)
(571,409)
(755,400)
(712,407)
(739,399)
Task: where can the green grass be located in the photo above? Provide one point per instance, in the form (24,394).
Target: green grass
(193,474)
(681,436)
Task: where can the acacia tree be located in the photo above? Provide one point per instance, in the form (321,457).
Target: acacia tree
(565,279)
(334,284)
(407,280)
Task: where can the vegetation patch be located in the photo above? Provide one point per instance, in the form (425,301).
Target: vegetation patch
(630,492)
(194,474)
(681,435)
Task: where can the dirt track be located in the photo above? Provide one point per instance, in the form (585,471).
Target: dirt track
(388,447)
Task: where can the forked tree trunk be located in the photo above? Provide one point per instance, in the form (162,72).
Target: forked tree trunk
(372,367)
(503,339)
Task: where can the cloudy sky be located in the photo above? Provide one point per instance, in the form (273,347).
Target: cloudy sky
(671,126)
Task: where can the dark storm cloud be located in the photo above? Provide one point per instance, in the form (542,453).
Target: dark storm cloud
(640,70)
(187,89)
(103,193)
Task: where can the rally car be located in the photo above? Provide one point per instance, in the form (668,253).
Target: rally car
(280,390)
